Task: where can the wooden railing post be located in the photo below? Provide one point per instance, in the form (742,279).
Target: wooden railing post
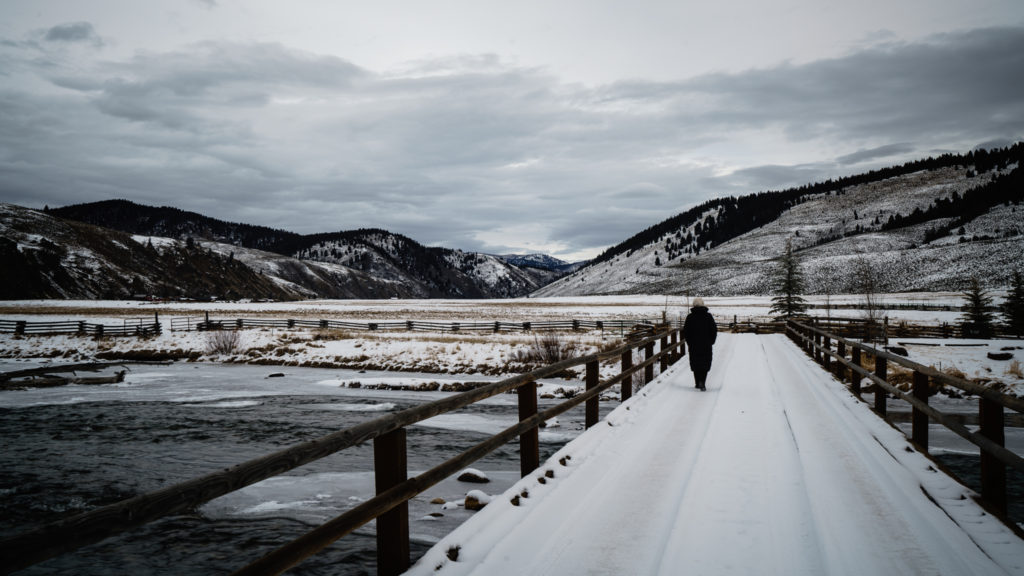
(817,347)
(919,433)
(674,356)
(649,369)
(627,382)
(529,441)
(826,360)
(840,368)
(389,465)
(993,472)
(854,375)
(881,370)
(593,373)
(663,350)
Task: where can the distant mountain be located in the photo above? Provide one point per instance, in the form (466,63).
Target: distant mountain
(925,225)
(358,263)
(542,262)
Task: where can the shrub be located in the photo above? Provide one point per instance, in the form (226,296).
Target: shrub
(223,342)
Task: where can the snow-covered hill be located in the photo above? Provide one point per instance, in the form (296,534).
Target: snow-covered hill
(833,234)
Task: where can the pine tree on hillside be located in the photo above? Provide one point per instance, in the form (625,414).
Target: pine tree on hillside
(787,284)
(977,319)
(1013,307)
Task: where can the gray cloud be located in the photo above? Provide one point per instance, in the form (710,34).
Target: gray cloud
(73,32)
(877,153)
(472,152)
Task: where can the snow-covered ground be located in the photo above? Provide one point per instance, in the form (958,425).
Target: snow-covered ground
(776,469)
(464,353)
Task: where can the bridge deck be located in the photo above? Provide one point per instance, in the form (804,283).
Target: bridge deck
(776,469)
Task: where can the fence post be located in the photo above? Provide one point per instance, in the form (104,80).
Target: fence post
(291,323)
(881,370)
(674,356)
(239,322)
(649,369)
(593,375)
(389,467)
(575,325)
(817,347)
(841,351)
(854,375)
(826,360)
(529,441)
(627,383)
(156,323)
(663,350)
(920,420)
(526,326)
(993,472)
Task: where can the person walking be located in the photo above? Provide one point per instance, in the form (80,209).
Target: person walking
(700,332)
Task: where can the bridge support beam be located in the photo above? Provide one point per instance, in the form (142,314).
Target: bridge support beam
(993,472)
(389,466)
(529,441)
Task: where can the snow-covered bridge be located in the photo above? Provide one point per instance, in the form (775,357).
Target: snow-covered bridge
(776,469)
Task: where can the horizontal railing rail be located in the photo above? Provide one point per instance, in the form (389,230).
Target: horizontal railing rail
(990,439)
(394,489)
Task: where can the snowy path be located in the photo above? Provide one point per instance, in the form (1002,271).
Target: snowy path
(776,469)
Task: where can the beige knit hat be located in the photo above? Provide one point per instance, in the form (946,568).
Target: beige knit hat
(698,302)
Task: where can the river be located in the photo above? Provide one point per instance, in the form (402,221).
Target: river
(72,448)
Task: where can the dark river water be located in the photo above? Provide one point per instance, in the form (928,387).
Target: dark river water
(70,449)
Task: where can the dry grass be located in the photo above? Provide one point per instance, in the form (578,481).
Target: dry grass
(1014,369)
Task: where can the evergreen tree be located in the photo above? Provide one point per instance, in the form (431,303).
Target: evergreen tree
(1013,307)
(787,285)
(977,319)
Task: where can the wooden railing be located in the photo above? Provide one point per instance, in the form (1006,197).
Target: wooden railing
(394,488)
(844,357)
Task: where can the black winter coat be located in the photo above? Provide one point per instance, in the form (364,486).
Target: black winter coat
(700,332)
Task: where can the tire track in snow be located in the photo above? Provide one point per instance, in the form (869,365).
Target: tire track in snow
(653,459)
(747,493)
(888,525)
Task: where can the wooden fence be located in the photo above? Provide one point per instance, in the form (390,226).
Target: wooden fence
(202,323)
(845,357)
(394,489)
(127,327)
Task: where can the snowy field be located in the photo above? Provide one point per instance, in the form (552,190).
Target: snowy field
(464,353)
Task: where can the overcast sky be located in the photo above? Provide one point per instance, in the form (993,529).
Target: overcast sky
(497,126)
